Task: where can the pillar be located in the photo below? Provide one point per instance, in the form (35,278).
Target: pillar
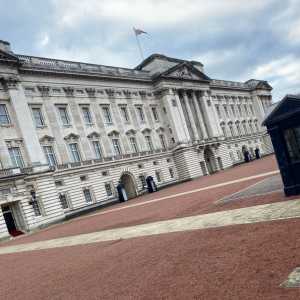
(190,115)
(25,121)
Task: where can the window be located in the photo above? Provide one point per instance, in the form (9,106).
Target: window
(97,149)
(133,145)
(251,128)
(232,109)
(171,172)
(246,109)
(162,141)
(231,130)
(64,116)
(218,111)
(124,113)
(107,115)
(87,115)
(142,181)
(50,155)
(75,154)
(256,127)
(238,128)
(155,114)
(226,111)
(158,176)
(4,117)
(252,110)
(116,146)
(108,189)
(292,138)
(245,129)
(35,204)
(16,157)
(141,114)
(240,110)
(149,142)
(224,131)
(63,201)
(38,116)
(87,195)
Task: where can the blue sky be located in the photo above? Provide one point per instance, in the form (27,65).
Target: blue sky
(234,39)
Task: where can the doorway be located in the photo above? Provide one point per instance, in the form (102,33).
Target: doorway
(10,218)
(128,181)
(210,160)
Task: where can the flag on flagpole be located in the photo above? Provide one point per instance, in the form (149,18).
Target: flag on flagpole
(138,31)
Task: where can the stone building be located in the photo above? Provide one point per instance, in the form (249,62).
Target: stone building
(69,131)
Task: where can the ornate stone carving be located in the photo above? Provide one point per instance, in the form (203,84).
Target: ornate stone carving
(110,92)
(127,93)
(10,82)
(91,92)
(131,132)
(94,135)
(69,91)
(71,137)
(44,90)
(142,94)
(113,133)
(46,139)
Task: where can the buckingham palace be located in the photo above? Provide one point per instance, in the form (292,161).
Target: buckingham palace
(71,131)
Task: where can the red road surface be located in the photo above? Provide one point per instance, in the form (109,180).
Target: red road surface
(236,262)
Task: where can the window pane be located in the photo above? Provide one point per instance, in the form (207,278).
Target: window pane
(16,157)
(133,144)
(116,145)
(63,201)
(75,152)
(87,195)
(108,189)
(107,116)
(149,142)
(124,113)
(155,115)
(64,115)
(97,149)
(87,115)
(50,155)
(4,118)
(38,117)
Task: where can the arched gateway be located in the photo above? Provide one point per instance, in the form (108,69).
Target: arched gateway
(128,181)
(210,160)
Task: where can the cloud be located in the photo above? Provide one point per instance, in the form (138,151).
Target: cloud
(234,39)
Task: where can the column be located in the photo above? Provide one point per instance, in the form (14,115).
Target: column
(175,116)
(26,125)
(209,114)
(190,115)
(200,116)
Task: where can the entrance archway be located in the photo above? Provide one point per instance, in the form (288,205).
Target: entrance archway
(128,180)
(210,160)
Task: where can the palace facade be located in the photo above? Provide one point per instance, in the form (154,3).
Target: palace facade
(70,131)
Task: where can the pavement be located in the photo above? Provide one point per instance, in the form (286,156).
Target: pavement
(179,243)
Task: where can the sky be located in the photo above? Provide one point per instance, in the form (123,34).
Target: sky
(234,39)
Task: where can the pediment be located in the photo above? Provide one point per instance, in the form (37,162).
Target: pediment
(113,133)
(131,132)
(7,57)
(71,136)
(146,130)
(46,138)
(93,135)
(185,71)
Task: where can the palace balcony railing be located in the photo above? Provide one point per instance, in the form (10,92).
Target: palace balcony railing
(109,159)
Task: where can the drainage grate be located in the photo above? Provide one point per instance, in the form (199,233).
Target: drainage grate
(293,280)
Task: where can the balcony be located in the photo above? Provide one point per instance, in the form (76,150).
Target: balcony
(12,172)
(109,159)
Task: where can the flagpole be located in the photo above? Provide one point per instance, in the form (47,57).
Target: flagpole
(139,45)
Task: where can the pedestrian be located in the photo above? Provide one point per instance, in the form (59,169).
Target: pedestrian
(257,153)
(121,192)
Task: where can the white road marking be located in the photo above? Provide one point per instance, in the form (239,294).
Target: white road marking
(259,213)
(182,194)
